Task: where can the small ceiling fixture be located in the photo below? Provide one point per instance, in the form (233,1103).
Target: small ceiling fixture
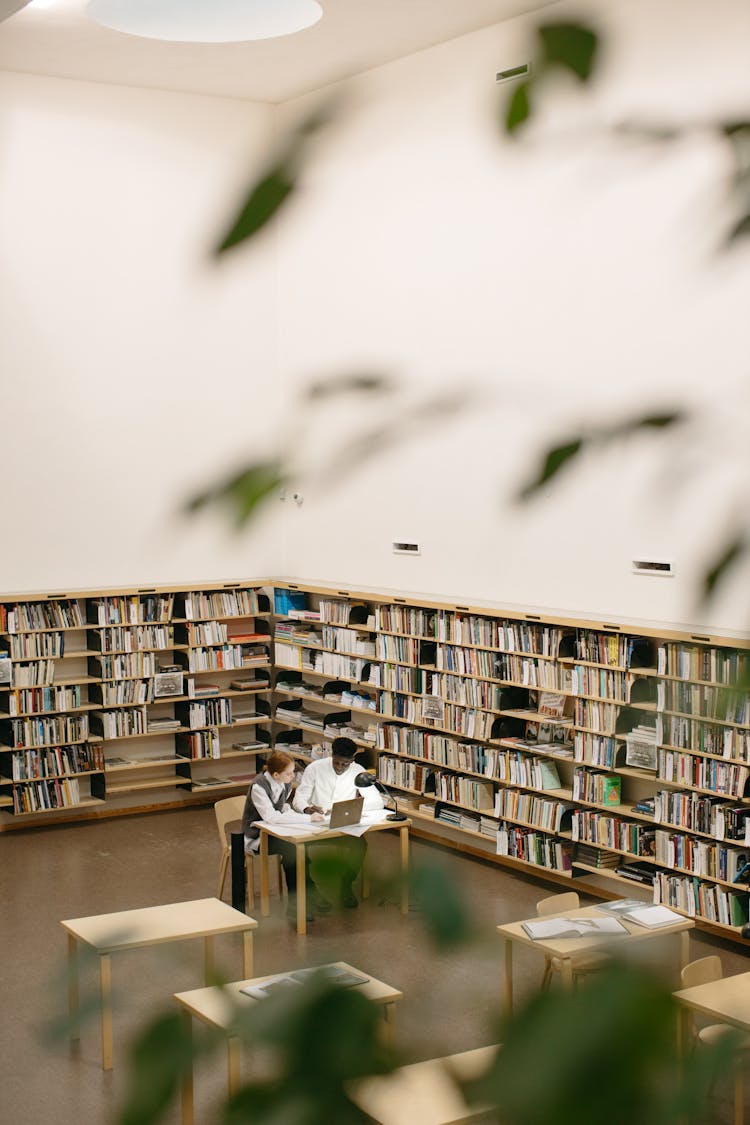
(205,21)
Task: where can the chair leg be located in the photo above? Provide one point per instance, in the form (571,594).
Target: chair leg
(222,873)
(739,1092)
(250,880)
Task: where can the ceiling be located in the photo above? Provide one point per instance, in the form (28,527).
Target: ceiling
(353,35)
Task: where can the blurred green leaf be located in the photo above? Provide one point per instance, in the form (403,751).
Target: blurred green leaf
(444,908)
(741,229)
(519,107)
(349,384)
(607,1051)
(659,421)
(728,556)
(572,46)
(159,1059)
(243,491)
(264,200)
(554,460)
(267,195)
(324,1037)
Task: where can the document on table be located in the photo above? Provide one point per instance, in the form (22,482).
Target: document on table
(295,831)
(545,928)
(654,916)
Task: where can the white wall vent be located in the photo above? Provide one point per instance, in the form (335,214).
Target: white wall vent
(522,71)
(406,549)
(660,568)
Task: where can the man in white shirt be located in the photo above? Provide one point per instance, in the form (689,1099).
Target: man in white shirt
(323,783)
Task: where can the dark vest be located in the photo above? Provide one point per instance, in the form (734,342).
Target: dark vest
(251,815)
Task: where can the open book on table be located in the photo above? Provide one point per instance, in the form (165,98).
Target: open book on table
(545,928)
(653,916)
(333,974)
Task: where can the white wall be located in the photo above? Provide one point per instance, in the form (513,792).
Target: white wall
(568,280)
(564,281)
(132,368)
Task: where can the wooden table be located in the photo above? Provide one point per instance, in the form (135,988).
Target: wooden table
(567,949)
(424,1093)
(218,1007)
(302,839)
(152,925)
(723,1001)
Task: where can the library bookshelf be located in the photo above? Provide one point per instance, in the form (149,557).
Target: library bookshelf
(109,699)
(594,754)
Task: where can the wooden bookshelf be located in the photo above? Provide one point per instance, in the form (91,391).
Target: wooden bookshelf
(450,732)
(79,719)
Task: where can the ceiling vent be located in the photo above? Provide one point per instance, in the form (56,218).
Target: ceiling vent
(522,71)
(656,567)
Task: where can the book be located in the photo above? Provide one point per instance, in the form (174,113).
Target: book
(611,790)
(249,746)
(545,928)
(247,684)
(261,991)
(347,978)
(653,917)
(622,905)
(201,782)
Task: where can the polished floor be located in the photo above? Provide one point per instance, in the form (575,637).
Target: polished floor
(450,999)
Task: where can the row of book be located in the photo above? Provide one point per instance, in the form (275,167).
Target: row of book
(36,646)
(608,831)
(706,900)
(546,814)
(725,778)
(596,788)
(438,748)
(704,701)
(132,638)
(693,662)
(595,749)
(227,657)
(535,847)
(29,616)
(462,790)
(23,701)
(709,860)
(55,760)
(701,813)
(43,731)
(694,734)
(38,674)
(198,605)
(55,793)
(347,641)
(130,609)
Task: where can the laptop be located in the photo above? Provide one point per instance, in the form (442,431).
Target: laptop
(345,813)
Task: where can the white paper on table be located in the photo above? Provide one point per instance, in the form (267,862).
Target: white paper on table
(291,831)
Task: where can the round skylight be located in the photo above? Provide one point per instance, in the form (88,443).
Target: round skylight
(205,21)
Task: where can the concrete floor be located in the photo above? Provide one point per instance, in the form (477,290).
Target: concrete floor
(127,862)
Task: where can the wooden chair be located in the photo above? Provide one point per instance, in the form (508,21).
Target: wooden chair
(585,962)
(703,971)
(229,812)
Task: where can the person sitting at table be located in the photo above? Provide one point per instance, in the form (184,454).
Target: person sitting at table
(323,783)
(268,799)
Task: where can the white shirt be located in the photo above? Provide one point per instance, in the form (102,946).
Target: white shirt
(268,813)
(322,786)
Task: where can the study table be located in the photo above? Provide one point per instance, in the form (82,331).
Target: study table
(219,1006)
(301,836)
(566,949)
(724,1001)
(151,925)
(424,1093)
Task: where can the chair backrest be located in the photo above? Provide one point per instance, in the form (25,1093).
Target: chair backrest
(228,810)
(702,971)
(556,904)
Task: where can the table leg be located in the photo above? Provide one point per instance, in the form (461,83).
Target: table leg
(233,1064)
(684,948)
(264,905)
(247,954)
(389,1024)
(301,890)
(508,995)
(73,1001)
(188,1105)
(365,879)
(209,974)
(566,972)
(105,983)
(404,833)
